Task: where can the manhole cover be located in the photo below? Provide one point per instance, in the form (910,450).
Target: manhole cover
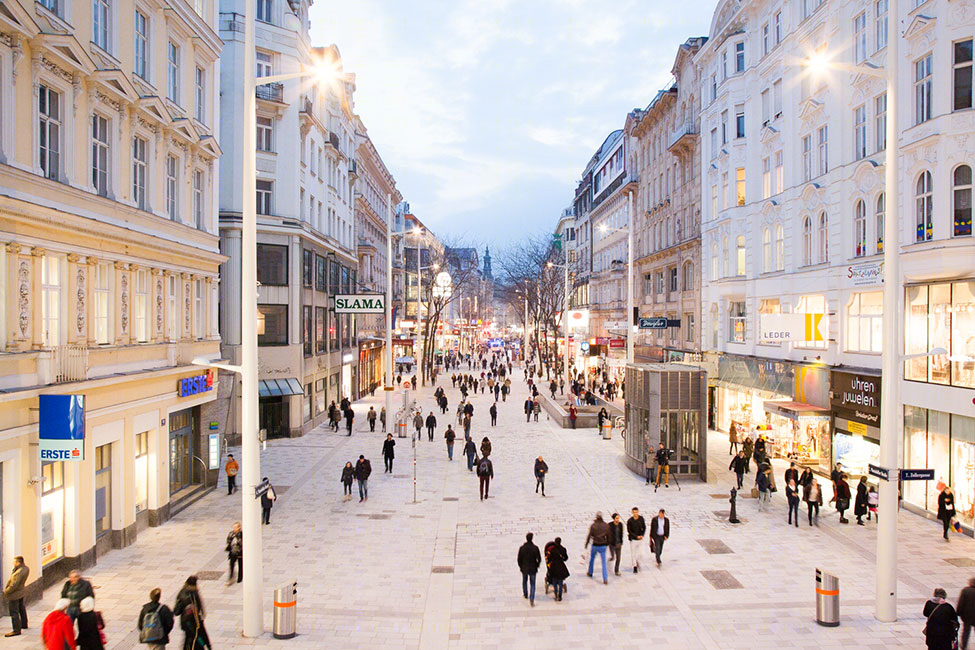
(450,499)
(379,516)
(721,580)
(401,476)
(715,546)
(209,575)
(442,569)
(960,561)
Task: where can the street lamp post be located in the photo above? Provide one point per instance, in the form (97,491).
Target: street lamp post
(388,376)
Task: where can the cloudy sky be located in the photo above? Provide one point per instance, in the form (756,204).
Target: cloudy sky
(487,111)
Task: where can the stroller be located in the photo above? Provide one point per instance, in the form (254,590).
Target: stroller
(548,569)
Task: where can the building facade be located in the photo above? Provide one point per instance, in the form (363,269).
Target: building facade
(793,212)
(306,244)
(108,270)
(664,152)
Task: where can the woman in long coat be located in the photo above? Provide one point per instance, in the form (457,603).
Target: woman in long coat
(860,504)
(189,608)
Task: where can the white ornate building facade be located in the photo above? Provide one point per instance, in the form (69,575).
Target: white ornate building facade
(109,267)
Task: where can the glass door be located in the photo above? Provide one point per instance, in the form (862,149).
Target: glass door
(103,489)
(180,450)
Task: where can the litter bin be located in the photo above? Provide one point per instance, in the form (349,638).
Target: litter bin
(285,616)
(607,430)
(401,429)
(827,599)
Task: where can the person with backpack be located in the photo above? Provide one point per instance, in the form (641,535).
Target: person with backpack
(235,553)
(529,559)
(388,455)
(485,472)
(470,450)
(450,436)
(189,608)
(363,469)
(155,622)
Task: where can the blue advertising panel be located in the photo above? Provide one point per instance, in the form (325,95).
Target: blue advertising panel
(61,430)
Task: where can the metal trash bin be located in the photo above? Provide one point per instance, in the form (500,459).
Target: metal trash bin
(285,614)
(401,429)
(827,599)
(607,430)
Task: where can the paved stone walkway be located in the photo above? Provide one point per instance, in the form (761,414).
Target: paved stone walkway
(441,573)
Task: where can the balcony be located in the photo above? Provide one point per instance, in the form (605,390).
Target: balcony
(307,106)
(682,137)
(333,139)
(270,92)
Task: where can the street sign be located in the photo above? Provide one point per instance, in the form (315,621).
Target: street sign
(262,488)
(371,303)
(774,328)
(917,474)
(880,472)
(653,323)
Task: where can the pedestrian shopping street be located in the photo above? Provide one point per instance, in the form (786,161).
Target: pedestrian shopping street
(441,572)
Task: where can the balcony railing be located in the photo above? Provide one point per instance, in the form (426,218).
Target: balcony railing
(685,130)
(270,92)
(69,363)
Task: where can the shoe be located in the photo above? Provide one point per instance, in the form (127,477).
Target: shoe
(636,569)
(532,602)
(526,596)
(230,582)
(589,574)
(605,582)
(666,485)
(859,523)
(658,562)
(617,573)
(12,634)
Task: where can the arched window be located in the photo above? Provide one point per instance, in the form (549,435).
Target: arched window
(881,208)
(725,257)
(779,248)
(714,261)
(740,255)
(923,204)
(860,229)
(807,242)
(962,201)
(823,237)
(766,250)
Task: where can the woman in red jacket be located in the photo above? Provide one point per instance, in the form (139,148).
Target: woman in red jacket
(58,630)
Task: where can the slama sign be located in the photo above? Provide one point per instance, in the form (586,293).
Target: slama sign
(360,304)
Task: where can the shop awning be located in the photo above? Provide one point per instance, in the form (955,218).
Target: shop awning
(279,387)
(795,410)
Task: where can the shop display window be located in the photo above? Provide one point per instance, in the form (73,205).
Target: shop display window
(855,453)
(141,471)
(915,452)
(941,316)
(946,444)
(52,512)
(963,466)
(963,334)
(938,454)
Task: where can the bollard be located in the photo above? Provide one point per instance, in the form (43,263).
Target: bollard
(607,431)
(827,599)
(401,429)
(285,610)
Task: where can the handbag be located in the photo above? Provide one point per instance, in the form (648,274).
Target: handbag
(754,492)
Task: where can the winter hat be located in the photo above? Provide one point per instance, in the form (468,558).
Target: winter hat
(87,604)
(62,604)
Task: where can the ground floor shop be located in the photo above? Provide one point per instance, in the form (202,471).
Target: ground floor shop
(371,365)
(146,448)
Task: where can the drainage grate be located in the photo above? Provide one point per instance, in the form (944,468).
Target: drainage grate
(721,580)
(960,561)
(450,499)
(401,476)
(715,546)
(209,575)
(379,516)
(442,569)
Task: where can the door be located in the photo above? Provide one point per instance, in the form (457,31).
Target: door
(712,408)
(180,450)
(103,490)
(274,417)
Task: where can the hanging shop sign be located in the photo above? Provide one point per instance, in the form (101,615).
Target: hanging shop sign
(61,428)
(866,274)
(369,303)
(856,397)
(774,328)
(617,343)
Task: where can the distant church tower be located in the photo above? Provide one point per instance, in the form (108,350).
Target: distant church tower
(487,264)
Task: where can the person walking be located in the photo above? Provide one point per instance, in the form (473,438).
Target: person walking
(738,464)
(450,436)
(485,472)
(573,415)
(90,625)
(470,450)
(231,468)
(485,447)
(382,418)
(494,414)
(663,466)
(941,629)
(600,535)
(267,502)
(792,474)
(388,455)
(155,622)
(57,631)
(431,424)
(348,475)
(529,406)
(349,417)
(966,612)
(792,496)
(418,425)
(805,478)
(235,553)
(371,418)
(541,469)
(555,557)
(747,446)
(659,533)
(843,498)
(813,496)
(636,528)
(529,559)
(363,468)
(764,495)
(443,404)
(616,541)
(13,593)
(946,509)
(536,408)
(860,504)
(74,589)
(467,424)
(189,608)
(733,439)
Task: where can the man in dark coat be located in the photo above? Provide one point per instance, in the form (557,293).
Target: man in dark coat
(529,406)
(431,425)
(156,638)
(966,612)
(13,593)
(529,559)
(738,464)
(443,404)
(267,502)
(541,470)
(363,468)
(494,414)
(349,417)
(74,590)
(388,453)
(470,450)
(659,533)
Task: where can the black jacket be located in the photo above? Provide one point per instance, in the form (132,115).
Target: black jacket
(662,457)
(556,556)
(88,635)
(966,605)
(363,468)
(942,625)
(529,558)
(805,478)
(493,410)
(238,537)
(540,467)
(860,505)
(792,474)
(470,448)
(653,527)
(348,474)
(388,451)
(485,467)
(189,608)
(946,505)
(617,533)
(738,464)
(431,421)
(636,528)
(165,619)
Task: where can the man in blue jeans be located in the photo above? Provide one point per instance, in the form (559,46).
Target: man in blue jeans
(529,559)
(599,534)
(363,468)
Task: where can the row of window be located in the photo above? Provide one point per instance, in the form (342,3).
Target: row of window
(316,321)
(663,284)
(340,278)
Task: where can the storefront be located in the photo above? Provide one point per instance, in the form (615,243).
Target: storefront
(370,365)
(944,442)
(743,386)
(799,432)
(855,420)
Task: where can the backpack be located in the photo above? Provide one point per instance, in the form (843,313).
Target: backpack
(483,469)
(152,630)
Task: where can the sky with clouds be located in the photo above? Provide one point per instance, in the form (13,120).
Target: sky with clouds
(487,111)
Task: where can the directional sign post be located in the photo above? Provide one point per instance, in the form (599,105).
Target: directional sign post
(917,474)
(658,323)
(880,472)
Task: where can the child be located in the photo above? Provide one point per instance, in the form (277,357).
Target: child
(872,499)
